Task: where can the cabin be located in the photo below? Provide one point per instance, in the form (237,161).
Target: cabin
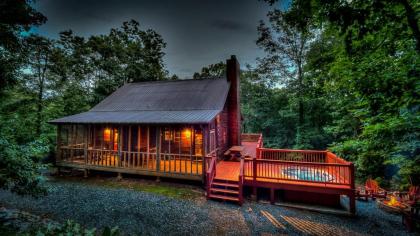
(159,128)
(191,129)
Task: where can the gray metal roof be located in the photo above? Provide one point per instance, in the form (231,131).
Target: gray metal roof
(182,101)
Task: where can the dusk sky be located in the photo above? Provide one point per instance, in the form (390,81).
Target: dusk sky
(197,33)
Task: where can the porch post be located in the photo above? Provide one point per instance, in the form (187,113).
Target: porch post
(203,151)
(254,178)
(87,129)
(120,134)
(158,139)
(58,148)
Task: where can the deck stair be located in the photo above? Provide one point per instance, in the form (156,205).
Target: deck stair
(225,190)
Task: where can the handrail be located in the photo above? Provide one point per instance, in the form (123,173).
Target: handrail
(241,180)
(331,173)
(330,155)
(293,150)
(211,172)
(260,141)
(303,162)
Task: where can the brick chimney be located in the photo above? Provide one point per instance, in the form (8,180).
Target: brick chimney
(233,102)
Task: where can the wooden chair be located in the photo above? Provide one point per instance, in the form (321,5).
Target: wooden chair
(362,194)
(411,218)
(373,189)
(412,197)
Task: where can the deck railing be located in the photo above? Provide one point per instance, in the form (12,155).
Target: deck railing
(101,157)
(211,171)
(291,155)
(181,163)
(139,160)
(299,166)
(241,179)
(184,164)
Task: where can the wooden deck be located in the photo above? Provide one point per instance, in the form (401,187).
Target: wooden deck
(318,172)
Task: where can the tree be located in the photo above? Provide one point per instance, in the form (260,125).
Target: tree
(212,70)
(286,42)
(127,54)
(16,17)
(20,153)
(39,50)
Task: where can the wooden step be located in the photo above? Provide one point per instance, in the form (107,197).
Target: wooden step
(222,197)
(226,181)
(224,191)
(225,185)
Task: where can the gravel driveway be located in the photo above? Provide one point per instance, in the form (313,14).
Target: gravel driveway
(143,213)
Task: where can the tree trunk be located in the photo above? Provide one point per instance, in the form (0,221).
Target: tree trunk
(412,21)
(39,109)
(300,94)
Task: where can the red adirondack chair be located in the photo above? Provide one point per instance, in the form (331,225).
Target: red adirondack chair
(361,193)
(412,197)
(411,218)
(373,189)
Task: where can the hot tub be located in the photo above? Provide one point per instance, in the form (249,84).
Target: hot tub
(308,174)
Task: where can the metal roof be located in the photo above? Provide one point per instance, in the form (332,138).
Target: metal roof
(181,101)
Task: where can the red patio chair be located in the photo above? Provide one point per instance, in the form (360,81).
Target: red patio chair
(373,189)
(362,193)
(411,218)
(412,197)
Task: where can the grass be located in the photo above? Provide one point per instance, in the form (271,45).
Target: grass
(172,190)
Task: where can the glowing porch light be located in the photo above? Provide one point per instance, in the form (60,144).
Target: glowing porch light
(107,134)
(187,133)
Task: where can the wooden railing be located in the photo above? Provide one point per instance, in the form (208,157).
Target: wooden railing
(101,157)
(181,163)
(139,160)
(73,153)
(291,155)
(299,166)
(249,137)
(211,171)
(184,164)
(241,179)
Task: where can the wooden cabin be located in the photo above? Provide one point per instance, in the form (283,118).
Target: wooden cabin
(183,129)
(159,128)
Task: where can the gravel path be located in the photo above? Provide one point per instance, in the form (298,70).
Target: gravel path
(142,213)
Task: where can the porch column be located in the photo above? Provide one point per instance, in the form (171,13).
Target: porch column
(158,144)
(120,134)
(87,132)
(58,140)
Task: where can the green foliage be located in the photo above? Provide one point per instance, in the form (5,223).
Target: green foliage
(42,79)
(213,70)
(19,167)
(360,87)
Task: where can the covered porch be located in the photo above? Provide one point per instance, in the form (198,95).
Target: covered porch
(171,150)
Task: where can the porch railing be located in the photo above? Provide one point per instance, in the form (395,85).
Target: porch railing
(184,164)
(211,171)
(299,166)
